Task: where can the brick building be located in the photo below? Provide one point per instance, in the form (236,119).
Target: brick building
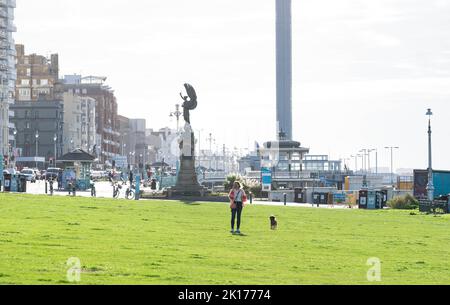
(36,75)
(108,140)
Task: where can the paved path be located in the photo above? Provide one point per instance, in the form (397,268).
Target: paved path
(104,190)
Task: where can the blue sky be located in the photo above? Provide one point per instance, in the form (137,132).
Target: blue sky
(364,71)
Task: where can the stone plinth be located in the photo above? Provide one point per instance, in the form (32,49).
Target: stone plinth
(187,183)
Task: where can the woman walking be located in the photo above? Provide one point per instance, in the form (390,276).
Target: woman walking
(237,200)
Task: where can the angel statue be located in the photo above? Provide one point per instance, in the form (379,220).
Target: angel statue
(190,102)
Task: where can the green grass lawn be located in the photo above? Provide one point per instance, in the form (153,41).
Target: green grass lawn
(154,242)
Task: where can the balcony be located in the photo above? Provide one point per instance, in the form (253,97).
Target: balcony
(4,45)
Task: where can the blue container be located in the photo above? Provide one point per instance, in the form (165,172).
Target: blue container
(441,181)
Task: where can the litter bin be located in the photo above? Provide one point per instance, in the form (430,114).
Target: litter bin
(316,198)
(299,195)
(371,200)
(323,198)
(14,183)
(22,184)
(381,197)
(363,198)
(7,183)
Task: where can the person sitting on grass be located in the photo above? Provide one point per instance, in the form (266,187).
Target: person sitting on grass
(237,198)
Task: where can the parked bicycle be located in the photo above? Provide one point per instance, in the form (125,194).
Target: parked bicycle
(130,193)
(116,189)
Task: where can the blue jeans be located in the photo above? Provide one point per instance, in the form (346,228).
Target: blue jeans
(236,212)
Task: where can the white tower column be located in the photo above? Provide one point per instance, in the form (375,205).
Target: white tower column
(284,67)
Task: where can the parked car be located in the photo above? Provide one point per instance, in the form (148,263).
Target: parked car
(52,173)
(96,174)
(29,175)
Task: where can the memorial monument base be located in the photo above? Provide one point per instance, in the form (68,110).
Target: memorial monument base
(187,183)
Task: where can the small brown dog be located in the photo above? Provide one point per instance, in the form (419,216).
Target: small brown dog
(273,223)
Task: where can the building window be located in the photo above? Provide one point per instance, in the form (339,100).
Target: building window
(25,82)
(44,82)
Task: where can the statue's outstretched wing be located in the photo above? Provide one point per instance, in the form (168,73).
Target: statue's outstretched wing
(192,96)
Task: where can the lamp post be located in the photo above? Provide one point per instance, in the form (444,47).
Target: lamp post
(376,160)
(364,153)
(368,159)
(37,143)
(392,161)
(356,162)
(430,185)
(210,139)
(362,162)
(55,138)
(14,147)
(177,113)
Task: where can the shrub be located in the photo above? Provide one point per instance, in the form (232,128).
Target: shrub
(407,202)
(249,185)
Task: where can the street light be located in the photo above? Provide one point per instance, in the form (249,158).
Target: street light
(392,161)
(37,142)
(356,162)
(55,138)
(376,159)
(14,148)
(177,113)
(210,139)
(132,160)
(362,162)
(430,185)
(364,154)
